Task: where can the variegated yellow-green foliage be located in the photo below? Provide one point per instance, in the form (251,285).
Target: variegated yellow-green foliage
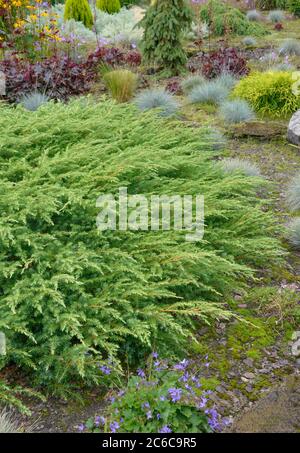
(72,296)
(270,93)
(80,11)
(109,6)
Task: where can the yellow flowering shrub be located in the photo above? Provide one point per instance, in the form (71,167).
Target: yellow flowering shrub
(28,26)
(12,12)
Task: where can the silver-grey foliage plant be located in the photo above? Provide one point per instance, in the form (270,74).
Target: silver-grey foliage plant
(253,15)
(214,92)
(276,16)
(7,424)
(232,165)
(216,139)
(249,41)
(192,82)
(293,233)
(237,111)
(290,47)
(157,98)
(33,101)
(293,193)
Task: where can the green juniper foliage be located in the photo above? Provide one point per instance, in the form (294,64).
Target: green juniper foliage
(164,23)
(80,11)
(10,396)
(72,296)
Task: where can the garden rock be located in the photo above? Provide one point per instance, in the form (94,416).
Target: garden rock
(296,345)
(259,129)
(294,129)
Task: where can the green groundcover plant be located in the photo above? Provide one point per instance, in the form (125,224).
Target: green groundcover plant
(72,296)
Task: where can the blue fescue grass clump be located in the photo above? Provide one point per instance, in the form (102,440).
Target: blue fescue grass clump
(192,82)
(290,47)
(276,16)
(216,139)
(33,101)
(293,194)
(249,41)
(94,297)
(284,66)
(157,98)
(253,15)
(226,80)
(236,111)
(213,92)
(7,423)
(293,233)
(232,165)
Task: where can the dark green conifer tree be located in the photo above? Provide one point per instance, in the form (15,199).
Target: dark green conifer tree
(164,23)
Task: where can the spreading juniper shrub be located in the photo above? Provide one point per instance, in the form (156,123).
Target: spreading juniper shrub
(71,295)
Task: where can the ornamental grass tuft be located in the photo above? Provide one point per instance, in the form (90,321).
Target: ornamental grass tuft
(214,92)
(290,47)
(293,233)
(236,111)
(121,83)
(157,98)
(253,15)
(33,101)
(192,82)
(276,16)
(232,165)
(293,194)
